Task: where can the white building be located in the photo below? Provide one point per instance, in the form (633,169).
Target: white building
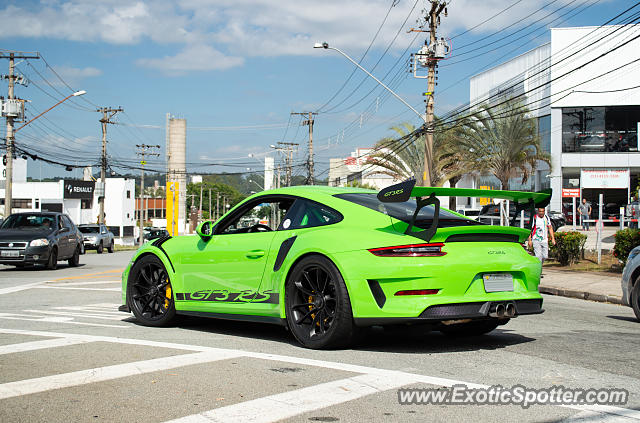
(587,108)
(354,169)
(79,200)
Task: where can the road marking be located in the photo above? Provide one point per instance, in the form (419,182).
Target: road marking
(72,314)
(78,288)
(382,373)
(90,275)
(83,283)
(39,345)
(101,374)
(289,404)
(19,288)
(59,319)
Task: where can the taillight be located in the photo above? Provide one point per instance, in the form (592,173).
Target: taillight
(414,250)
(418,292)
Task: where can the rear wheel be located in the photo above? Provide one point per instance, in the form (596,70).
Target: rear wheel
(110,249)
(52,263)
(74,261)
(149,292)
(479,327)
(317,303)
(100,248)
(635,299)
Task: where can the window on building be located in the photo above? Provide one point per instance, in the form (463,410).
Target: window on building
(21,203)
(128,193)
(544,132)
(85,203)
(600,129)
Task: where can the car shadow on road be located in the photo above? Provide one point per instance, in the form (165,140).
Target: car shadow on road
(410,339)
(624,318)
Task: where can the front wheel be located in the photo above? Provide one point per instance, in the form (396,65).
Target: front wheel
(317,304)
(74,261)
(149,292)
(110,249)
(52,263)
(100,248)
(479,327)
(635,298)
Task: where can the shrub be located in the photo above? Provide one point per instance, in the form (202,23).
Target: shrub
(626,240)
(568,248)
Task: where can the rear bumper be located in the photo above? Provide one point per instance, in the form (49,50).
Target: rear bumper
(441,312)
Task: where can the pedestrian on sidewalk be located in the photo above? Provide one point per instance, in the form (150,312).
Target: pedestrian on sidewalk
(540,234)
(585,211)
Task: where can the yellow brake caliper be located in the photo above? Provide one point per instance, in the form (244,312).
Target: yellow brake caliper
(167,294)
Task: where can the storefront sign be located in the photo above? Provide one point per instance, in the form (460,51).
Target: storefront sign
(605,178)
(79,189)
(571,192)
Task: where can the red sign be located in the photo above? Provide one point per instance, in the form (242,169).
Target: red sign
(571,192)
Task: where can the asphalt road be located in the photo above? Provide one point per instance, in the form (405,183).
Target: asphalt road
(67,354)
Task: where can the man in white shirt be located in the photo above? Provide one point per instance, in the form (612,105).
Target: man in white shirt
(540,234)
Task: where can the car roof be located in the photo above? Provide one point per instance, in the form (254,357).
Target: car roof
(89,224)
(311,190)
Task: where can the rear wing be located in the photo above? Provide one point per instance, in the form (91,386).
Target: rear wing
(425,196)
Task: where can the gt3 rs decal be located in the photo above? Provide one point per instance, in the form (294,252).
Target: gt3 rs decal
(223,296)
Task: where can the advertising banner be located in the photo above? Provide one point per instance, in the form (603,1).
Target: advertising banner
(604,178)
(173,210)
(571,192)
(78,189)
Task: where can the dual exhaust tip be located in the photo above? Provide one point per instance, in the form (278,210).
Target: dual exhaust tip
(502,311)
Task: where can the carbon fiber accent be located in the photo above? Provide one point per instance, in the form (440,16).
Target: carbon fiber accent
(482,238)
(528,306)
(457,311)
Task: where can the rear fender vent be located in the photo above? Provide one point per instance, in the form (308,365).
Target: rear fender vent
(483,238)
(378,293)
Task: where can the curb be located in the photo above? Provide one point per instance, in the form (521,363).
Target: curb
(583,295)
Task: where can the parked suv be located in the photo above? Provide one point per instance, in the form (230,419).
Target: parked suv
(97,237)
(39,238)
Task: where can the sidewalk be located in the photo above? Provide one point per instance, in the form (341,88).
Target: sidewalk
(608,240)
(593,286)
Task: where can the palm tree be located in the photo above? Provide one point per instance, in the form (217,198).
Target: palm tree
(403,157)
(503,141)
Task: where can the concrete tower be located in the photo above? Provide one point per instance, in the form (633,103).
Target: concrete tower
(176,140)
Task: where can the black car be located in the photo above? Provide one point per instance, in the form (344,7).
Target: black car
(490,215)
(39,238)
(153,233)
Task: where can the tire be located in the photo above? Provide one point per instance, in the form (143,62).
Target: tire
(635,299)
(479,327)
(52,263)
(110,249)
(331,325)
(149,292)
(74,261)
(100,248)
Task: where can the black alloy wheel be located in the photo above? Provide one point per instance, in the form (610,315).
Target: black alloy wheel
(317,303)
(74,261)
(52,263)
(149,292)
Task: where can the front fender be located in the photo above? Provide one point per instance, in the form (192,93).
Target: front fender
(147,248)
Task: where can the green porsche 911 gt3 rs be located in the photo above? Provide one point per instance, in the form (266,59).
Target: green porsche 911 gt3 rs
(324,261)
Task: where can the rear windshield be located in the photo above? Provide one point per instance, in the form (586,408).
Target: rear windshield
(404,211)
(89,229)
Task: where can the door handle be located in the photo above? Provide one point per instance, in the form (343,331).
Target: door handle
(254,254)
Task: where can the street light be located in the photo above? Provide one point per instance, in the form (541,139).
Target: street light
(326,47)
(8,191)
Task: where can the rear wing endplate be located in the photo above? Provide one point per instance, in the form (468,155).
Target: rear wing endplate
(425,196)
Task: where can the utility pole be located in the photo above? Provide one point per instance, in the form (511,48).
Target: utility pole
(107,114)
(288,148)
(144,150)
(428,57)
(210,215)
(14,110)
(309,122)
(217,205)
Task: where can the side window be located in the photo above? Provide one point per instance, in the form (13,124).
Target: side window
(66,222)
(311,214)
(258,216)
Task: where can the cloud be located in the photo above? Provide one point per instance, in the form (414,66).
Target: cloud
(224,32)
(70,72)
(193,58)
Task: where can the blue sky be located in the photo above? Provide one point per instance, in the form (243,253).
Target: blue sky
(236,69)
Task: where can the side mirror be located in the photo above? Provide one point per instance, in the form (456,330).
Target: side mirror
(205,229)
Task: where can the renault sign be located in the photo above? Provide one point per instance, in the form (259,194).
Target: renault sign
(78,189)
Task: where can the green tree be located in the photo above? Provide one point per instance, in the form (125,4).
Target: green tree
(502,141)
